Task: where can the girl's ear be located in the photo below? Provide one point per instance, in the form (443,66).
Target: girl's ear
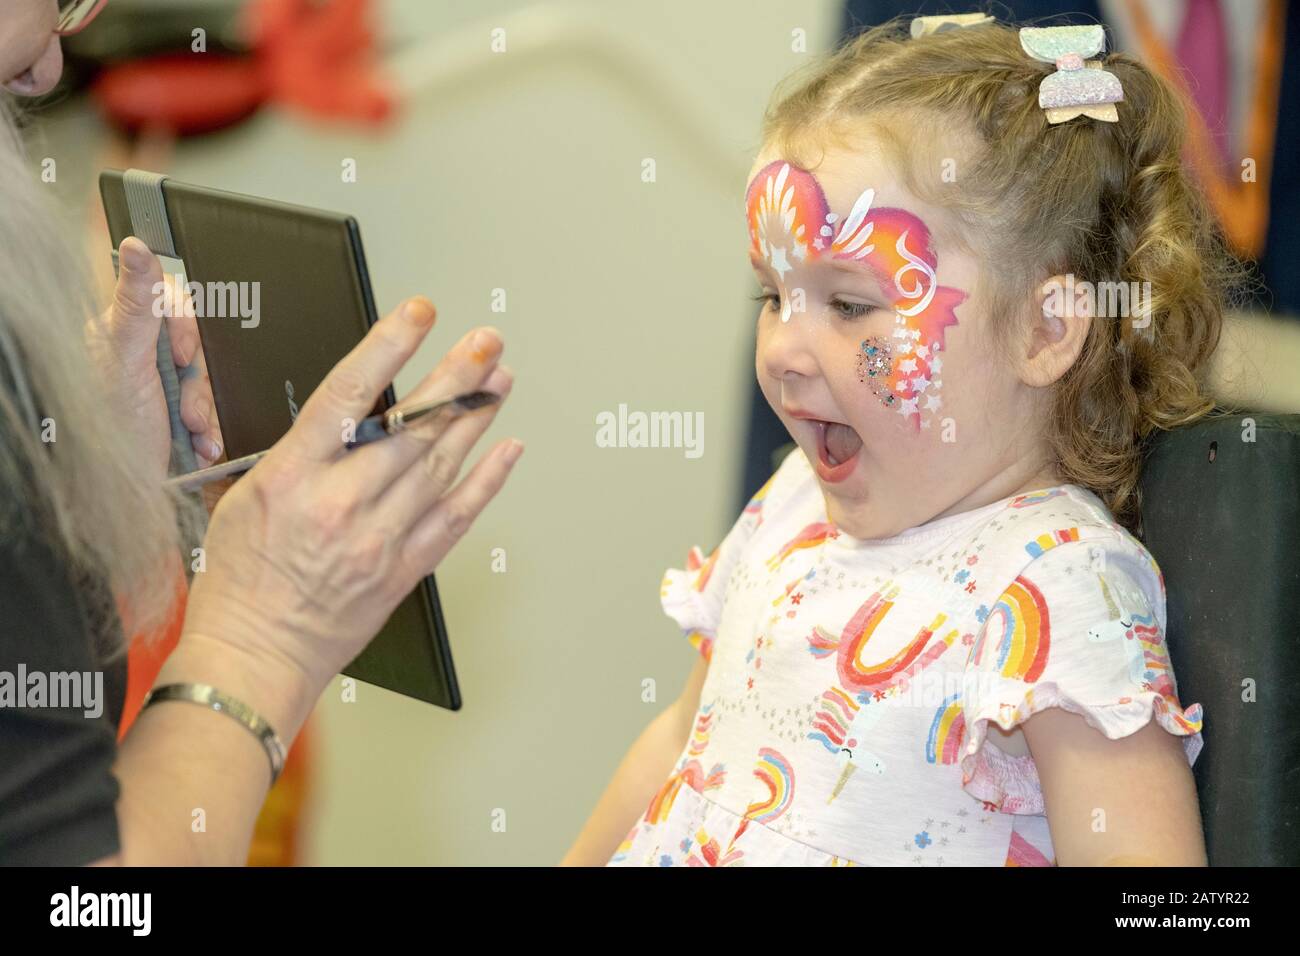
(1063,313)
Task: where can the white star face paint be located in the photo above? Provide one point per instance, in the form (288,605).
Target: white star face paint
(783,212)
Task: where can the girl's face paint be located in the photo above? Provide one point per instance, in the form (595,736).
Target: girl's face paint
(788,220)
(875,365)
(790,223)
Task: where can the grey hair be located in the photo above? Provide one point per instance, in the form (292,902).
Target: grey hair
(87,493)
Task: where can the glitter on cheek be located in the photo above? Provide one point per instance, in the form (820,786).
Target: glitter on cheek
(875,368)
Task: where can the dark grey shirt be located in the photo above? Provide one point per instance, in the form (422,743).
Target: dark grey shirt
(57,789)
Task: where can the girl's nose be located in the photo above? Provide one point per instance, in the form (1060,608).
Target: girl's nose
(788,347)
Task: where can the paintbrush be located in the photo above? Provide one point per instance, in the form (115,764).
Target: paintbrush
(370,429)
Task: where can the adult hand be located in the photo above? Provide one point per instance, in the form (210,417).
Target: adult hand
(123,344)
(309,553)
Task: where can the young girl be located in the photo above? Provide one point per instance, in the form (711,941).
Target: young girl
(929,639)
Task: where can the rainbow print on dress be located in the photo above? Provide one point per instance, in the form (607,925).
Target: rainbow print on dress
(858,675)
(1036,497)
(1021,627)
(690,772)
(776,774)
(946,733)
(1050,539)
(812,536)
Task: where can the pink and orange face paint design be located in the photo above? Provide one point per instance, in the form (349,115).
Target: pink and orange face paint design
(790,223)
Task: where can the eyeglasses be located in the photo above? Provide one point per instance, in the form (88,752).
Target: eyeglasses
(75,15)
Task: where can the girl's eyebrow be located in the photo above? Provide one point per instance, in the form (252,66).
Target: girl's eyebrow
(859,266)
(854,266)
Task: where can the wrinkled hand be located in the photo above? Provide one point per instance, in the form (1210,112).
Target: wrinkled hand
(309,553)
(123,344)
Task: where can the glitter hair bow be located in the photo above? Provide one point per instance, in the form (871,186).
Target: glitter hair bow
(1079,86)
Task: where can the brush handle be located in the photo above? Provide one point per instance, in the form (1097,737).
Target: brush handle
(183,458)
(368,430)
(197,479)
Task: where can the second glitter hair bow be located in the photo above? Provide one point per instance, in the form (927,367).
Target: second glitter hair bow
(1079,86)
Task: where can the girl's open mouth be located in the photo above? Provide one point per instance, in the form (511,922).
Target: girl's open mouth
(838,447)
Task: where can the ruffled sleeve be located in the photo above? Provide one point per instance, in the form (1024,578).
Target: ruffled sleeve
(692,596)
(1082,627)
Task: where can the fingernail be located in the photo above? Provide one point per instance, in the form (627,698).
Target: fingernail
(212,449)
(419,312)
(485,344)
(134,256)
(513,451)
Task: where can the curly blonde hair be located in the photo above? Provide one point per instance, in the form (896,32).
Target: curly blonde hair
(1105,202)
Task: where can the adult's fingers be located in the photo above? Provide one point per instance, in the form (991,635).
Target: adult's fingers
(433,473)
(467,367)
(353,386)
(132,319)
(182,326)
(198,405)
(448,520)
(199,411)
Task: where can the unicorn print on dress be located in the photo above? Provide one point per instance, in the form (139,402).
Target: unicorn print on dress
(853,754)
(1139,635)
(1148,657)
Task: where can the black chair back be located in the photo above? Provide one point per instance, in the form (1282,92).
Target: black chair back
(1221,515)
